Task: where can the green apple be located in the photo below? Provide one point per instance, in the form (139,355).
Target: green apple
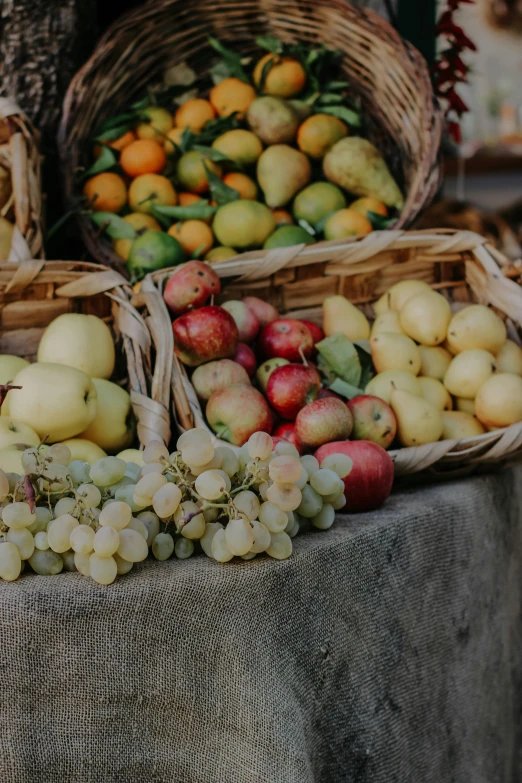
(55,400)
(114,426)
(81,341)
(265,370)
(13,431)
(84,450)
(132,455)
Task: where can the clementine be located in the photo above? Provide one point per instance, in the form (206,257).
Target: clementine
(150,189)
(194,113)
(193,235)
(144,156)
(231,95)
(105,192)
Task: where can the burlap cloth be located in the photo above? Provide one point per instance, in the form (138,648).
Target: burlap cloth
(388,650)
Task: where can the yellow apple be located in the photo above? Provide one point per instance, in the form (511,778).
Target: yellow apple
(81,341)
(84,450)
(114,426)
(132,455)
(13,431)
(11,458)
(56,401)
(10,366)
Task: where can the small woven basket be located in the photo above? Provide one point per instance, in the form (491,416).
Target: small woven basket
(389,75)
(20,159)
(460,265)
(35,292)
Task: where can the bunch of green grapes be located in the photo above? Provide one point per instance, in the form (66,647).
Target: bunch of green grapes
(101,519)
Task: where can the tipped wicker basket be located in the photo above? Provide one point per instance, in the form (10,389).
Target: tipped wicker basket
(460,265)
(20,158)
(35,292)
(389,75)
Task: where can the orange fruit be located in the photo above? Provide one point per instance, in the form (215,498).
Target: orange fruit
(173,137)
(193,235)
(347,223)
(320,132)
(282,217)
(187,199)
(245,186)
(149,189)
(105,192)
(144,156)
(116,144)
(159,124)
(141,222)
(286,77)
(369,204)
(191,171)
(231,95)
(194,113)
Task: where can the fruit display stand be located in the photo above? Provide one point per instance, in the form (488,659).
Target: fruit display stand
(295,280)
(35,292)
(20,187)
(387,74)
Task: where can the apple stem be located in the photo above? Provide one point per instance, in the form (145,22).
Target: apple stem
(4,390)
(303,357)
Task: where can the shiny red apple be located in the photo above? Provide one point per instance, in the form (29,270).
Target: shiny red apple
(286,338)
(315,330)
(246,320)
(246,357)
(205,334)
(373,419)
(291,387)
(190,286)
(286,431)
(265,312)
(237,412)
(323,421)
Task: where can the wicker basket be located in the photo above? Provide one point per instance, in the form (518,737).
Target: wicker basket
(390,76)
(36,292)
(461,265)
(20,157)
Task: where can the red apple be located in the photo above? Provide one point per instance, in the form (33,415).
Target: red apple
(204,334)
(373,419)
(287,338)
(265,370)
(323,421)
(371,479)
(316,331)
(246,357)
(237,412)
(265,312)
(190,286)
(246,320)
(323,393)
(291,387)
(287,432)
(213,376)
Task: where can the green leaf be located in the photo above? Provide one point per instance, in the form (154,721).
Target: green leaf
(342,357)
(59,224)
(198,251)
(333,98)
(267,67)
(116,126)
(113,225)
(333,86)
(215,128)
(367,371)
(162,219)
(201,210)
(349,116)
(232,59)
(106,160)
(143,103)
(345,389)
(221,193)
(270,43)
(214,155)
(325,370)
(307,226)
(380,222)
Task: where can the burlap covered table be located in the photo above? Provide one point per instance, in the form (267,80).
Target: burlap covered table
(388,649)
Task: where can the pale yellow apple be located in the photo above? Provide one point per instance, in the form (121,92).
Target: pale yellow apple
(56,401)
(132,455)
(13,431)
(11,459)
(84,450)
(10,366)
(114,426)
(81,341)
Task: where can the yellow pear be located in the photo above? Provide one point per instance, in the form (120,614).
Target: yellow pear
(392,351)
(468,371)
(387,322)
(384,383)
(425,318)
(465,406)
(499,401)
(459,425)
(382,305)
(418,422)
(404,290)
(436,393)
(435,360)
(509,358)
(476,326)
(447,347)
(340,315)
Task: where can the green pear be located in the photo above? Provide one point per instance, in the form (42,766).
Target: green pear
(275,121)
(356,165)
(282,172)
(340,315)
(418,421)
(393,351)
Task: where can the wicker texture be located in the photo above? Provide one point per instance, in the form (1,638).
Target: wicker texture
(19,154)
(36,292)
(460,265)
(390,76)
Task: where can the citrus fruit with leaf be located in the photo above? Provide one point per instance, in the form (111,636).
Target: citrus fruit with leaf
(245,186)
(283,77)
(143,156)
(192,173)
(154,250)
(149,190)
(368,204)
(241,146)
(193,236)
(194,114)
(243,224)
(317,201)
(105,192)
(174,137)
(231,95)
(220,253)
(116,144)
(319,133)
(286,236)
(282,217)
(347,223)
(140,222)
(159,122)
